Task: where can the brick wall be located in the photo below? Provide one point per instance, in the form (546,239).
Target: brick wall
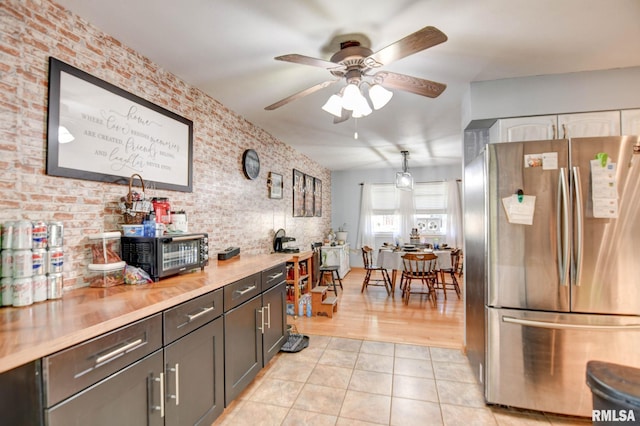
(232,209)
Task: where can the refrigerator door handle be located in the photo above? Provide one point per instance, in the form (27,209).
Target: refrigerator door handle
(565,326)
(562,227)
(577,186)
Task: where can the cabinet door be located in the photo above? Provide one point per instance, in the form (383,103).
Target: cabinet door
(130,397)
(589,124)
(21,390)
(631,122)
(194,372)
(273,302)
(242,346)
(536,128)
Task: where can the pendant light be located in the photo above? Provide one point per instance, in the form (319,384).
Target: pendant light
(404,180)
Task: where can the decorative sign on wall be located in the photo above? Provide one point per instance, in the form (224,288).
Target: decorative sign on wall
(275,185)
(307,195)
(298,193)
(317,197)
(97,131)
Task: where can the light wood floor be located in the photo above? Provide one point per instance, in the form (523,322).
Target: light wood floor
(373,315)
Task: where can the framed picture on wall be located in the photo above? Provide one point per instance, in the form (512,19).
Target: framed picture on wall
(308,195)
(98,131)
(275,185)
(298,193)
(317,197)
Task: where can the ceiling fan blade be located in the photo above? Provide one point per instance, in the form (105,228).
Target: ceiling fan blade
(413,43)
(314,62)
(300,94)
(346,114)
(416,85)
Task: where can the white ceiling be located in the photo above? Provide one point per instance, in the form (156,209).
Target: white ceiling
(226,48)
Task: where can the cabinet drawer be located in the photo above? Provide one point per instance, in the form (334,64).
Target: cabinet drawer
(242,290)
(273,276)
(190,315)
(130,397)
(80,366)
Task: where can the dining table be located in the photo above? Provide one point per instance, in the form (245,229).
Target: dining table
(391,258)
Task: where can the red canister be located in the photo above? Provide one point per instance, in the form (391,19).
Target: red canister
(162,209)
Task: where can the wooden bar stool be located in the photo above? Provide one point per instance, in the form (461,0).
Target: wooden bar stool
(333,273)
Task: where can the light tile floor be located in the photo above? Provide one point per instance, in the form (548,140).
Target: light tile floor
(338,381)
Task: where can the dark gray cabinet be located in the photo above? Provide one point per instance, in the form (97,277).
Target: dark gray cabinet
(255,326)
(131,397)
(178,367)
(116,378)
(113,380)
(275,329)
(242,334)
(21,395)
(194,361)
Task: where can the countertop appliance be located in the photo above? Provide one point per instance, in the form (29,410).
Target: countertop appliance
(544,299)
(279,241)
(166,255)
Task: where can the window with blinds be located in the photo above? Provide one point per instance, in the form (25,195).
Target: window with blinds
(383,208)
(431,208)
(430,202)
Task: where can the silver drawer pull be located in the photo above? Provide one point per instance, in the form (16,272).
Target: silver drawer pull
(161,407)
(246,290)
(274,276)
(268,307)
(118,351)
(199,314)
(261,328)
(176,370)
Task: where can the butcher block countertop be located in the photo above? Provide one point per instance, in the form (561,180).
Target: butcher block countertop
(31,332)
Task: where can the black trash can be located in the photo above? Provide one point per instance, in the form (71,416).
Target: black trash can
(616,393)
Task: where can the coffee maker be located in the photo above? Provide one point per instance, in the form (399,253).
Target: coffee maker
(278,243)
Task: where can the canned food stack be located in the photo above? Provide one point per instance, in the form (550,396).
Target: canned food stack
(32,261)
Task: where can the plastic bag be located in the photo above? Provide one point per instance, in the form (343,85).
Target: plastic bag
(133,275)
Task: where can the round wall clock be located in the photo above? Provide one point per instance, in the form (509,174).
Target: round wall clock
(250,164)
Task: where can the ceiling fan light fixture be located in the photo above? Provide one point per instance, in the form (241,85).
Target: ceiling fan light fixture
(362,109)
(333,105)
(379,96)
(351,97)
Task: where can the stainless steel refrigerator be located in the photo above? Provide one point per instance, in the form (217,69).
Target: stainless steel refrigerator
(545,298)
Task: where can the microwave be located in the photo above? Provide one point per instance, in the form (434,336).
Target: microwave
(167,255)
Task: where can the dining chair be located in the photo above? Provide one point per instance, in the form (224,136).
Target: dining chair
(370,269)
(460,270)
(455,264)
(422,267)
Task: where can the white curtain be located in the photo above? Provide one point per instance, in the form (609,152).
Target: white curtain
(454,214)
(406,209)
(365,235)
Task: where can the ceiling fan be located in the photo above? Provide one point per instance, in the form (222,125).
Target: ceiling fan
(357,63)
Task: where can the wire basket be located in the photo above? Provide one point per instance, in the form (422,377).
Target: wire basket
(135,207)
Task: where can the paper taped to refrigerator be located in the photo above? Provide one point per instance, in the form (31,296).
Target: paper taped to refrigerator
(520,212)
(604,189)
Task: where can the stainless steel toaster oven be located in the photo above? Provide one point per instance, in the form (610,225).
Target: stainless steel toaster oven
(167,255)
